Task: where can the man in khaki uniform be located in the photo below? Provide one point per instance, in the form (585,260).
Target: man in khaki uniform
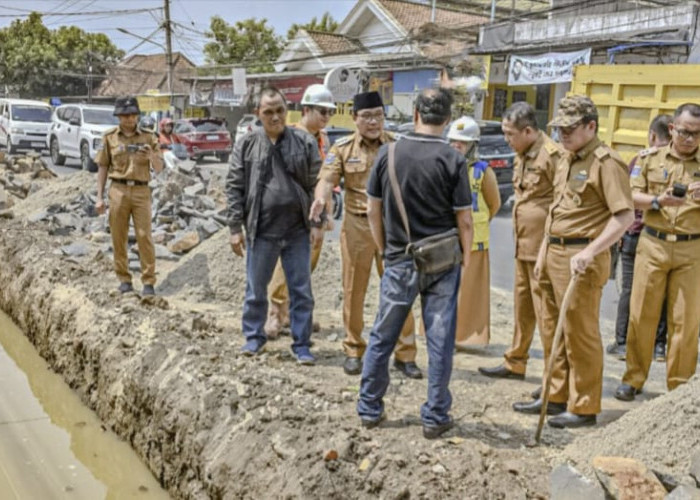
(666,185)
(317,110)
(352,158)
(533,178)
(591,210)
(126,157)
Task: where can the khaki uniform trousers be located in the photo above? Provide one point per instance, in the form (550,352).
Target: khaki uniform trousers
(132,202)
(577,376)
(277,289)
(670,269)
(527,311)
(358,253)
(474,302)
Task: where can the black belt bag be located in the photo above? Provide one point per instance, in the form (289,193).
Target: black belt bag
(437,253)
(431,255)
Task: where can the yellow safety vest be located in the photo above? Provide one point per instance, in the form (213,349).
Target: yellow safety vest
(480,210)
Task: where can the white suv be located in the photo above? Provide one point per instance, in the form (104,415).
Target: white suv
(76,132)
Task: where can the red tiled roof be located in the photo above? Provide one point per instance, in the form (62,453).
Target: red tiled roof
(139,73)
(413,15)
(331,43)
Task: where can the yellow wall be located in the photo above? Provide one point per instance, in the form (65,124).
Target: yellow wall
(629,97)
(340,119)
(530,95)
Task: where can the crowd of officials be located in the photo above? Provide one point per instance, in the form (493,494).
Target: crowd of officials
(574,200)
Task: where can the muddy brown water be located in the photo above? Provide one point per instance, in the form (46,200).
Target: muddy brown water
(51,444)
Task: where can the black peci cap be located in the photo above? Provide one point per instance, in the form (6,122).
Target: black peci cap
(126,106)
(367,100)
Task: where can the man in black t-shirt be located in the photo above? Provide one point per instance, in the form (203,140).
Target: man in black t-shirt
(435,189)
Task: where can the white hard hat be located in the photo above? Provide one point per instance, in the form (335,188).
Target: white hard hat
(318,95)
(464,129)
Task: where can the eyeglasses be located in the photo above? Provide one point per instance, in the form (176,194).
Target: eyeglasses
(368,117)
(325,111)
(570,129)
(686,134)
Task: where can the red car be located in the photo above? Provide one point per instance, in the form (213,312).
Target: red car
(203,136)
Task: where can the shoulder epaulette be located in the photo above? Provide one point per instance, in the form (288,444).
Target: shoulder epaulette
(110,131)
(601,152)
(647,151)
(551,148)
(344,140)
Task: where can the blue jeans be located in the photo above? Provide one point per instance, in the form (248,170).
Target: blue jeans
(261,258)
(400,285)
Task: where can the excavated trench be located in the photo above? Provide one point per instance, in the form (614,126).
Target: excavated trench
(165,375)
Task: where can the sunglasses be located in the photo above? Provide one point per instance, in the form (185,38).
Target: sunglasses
(325,111)
(570,129)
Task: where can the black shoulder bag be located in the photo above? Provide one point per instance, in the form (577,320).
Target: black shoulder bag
(431,255)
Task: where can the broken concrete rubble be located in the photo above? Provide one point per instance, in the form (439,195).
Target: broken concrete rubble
(566,483)
(627,478)
(182,211)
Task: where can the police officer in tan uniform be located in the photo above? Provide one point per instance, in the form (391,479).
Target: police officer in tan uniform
(352,158)
(533,181)
(666,185)
(317,109)
(126,157)
(591,210)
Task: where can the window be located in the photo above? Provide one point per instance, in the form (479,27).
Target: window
(100,117)
(29,113)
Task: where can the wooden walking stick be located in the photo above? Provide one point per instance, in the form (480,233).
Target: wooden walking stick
(552,354)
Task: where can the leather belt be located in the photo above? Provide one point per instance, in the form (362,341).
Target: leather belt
(129,182)
(669,236)
(555,240)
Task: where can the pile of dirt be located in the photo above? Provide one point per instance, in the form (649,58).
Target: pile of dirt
(663,432)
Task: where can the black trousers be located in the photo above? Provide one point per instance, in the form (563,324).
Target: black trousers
(627,254)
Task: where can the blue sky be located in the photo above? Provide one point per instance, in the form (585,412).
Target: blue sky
(192,14)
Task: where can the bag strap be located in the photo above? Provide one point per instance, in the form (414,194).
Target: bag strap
(397,190)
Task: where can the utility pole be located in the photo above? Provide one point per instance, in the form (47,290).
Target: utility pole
(168,49)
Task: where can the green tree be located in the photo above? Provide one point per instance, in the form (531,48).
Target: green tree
(38,62)
(326,24)
(250,43)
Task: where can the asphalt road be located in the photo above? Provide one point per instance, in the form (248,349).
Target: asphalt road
(502,251)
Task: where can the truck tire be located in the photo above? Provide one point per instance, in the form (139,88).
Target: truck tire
(56,157)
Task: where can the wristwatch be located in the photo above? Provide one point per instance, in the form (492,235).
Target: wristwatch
(655,203)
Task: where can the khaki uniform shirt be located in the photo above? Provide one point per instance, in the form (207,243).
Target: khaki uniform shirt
(352,158)
(120,162)
(533,181)
(657,171)
(590,186)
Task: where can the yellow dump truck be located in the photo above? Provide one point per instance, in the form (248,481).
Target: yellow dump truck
(629,96)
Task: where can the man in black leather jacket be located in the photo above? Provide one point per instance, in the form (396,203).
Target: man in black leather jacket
(269,187)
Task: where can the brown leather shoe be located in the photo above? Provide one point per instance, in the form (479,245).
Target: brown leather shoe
(501,371)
